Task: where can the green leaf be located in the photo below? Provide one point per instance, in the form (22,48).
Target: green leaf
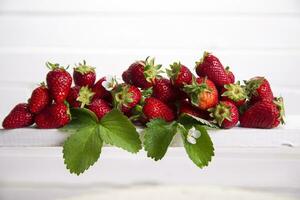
(117,130)
(81,118)
(190,120)
(202,152)
(82,149)
(157,137)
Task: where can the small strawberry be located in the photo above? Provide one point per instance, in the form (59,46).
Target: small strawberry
(80,96)
(100,91)
(126,97)
(100,107)
(187,108)
(142,74)
(230,74)
(258,88)
(225,114)
(155,108)
(179,74)
(164,90)
(210,66)
(59,82)
(84,75)
(40,98)
(264,114)
(234,93)
(202,92)
(18,117)
(55,116)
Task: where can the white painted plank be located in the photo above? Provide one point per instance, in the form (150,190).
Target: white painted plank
(156,32)
(238,6)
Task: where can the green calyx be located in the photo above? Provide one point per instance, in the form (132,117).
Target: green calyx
(174,71)
(205,54)
(54,66)
(253,84)
(235,92)
(85,96)
(151,70)
(195,89)
(220,113)
(83,68)
(122,96)
(278,101)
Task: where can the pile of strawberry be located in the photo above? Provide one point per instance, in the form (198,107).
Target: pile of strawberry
(213,95)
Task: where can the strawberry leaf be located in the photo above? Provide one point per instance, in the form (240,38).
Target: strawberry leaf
(157,137)
(202,152)
(192,120)
(117,130)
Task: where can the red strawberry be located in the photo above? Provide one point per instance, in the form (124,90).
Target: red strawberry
(18,117)
(164,90)
(126,97)
(59,82)
(202,92)
(187,108)
(55,116)
(225,114)
(230,74)
(100,91)
(258,88)
(142,73)
(264,114)
(179,74)
(100,107)
(80,96)
(155,108)
(211,67)
(40,98)
(234,93)
(84,75)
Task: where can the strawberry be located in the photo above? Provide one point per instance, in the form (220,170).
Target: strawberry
(210,66)
(225,114)
(186,107)
(179,74)
(258,88)
(80,96)
(264,114)
(39,99)
(59,82)
(55,116)
(100,91)
(126,97)
(230,74)
(142,74)
(100,107)
(234,93)
(84,75)
(202,92)
(18,117)
(155,108)
(164,90)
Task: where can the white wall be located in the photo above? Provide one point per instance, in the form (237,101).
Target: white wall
(253,37)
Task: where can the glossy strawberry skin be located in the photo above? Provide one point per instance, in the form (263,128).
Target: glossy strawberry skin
(72,97)
(179,75)
(40,98)
(155,108)
(135,75)
(59,83)
(230,75)
(164,90)
(234,116)
(187,108)
(259,90)
(263,114)
(211,67)
(126,97)
(207,99)
(100,91)
(87,79)
(54,116)
(19,117)
(100,107)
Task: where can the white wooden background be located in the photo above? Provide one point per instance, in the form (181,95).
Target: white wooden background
(253,37)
